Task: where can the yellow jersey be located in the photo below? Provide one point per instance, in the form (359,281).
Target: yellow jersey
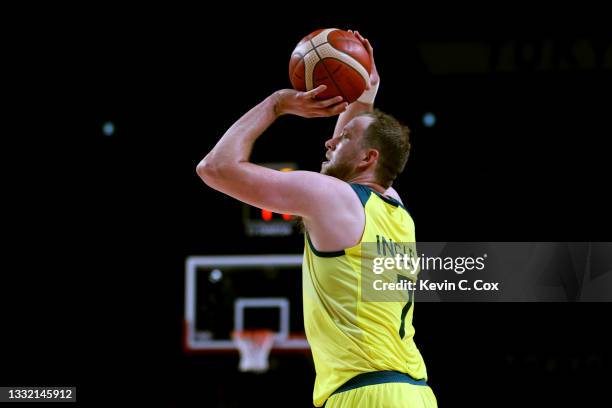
(347,334)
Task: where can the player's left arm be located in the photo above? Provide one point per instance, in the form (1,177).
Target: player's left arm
(227,168)
(365,103)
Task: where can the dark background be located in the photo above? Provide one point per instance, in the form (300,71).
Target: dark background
(98,227)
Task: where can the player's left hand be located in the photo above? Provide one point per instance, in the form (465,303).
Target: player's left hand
(374,77)
(290,101)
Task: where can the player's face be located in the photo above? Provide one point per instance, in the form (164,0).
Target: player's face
(345,150)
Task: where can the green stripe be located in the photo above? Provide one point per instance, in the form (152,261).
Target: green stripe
(378,377)
(323,254)
(363,192)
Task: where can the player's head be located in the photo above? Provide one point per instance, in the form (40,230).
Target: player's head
(374,143)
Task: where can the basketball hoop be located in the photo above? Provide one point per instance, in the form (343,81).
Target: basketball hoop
(254,347)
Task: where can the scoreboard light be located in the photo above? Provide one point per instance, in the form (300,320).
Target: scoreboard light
(266,215)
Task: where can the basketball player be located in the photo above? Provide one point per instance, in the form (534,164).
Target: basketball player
(364,352)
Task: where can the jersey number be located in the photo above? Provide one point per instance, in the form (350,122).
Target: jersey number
(405,309)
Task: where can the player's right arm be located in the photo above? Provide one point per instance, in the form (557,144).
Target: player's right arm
(358,107)
(323,201)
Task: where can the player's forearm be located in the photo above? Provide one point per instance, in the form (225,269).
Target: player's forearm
(236,144)
(354,109)
(228,160)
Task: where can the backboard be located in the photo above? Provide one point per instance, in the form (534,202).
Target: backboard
(224,294)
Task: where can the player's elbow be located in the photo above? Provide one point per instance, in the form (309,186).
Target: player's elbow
(218,173)
(208,170)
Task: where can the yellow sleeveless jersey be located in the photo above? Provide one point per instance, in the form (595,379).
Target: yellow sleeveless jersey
(349,336)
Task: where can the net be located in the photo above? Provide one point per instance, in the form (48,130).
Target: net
(254,347)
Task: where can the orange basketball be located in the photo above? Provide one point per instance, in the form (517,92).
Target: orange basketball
(331,57)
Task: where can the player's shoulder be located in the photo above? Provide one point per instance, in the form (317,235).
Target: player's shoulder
(391,192)
(331,190)
(322,181)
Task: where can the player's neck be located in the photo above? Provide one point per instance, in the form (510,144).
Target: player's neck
(368,180)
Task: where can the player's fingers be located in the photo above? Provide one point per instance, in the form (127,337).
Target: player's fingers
(358,36)
(336,109)
(314,92)
(366,43)
(341,108)
(329,102)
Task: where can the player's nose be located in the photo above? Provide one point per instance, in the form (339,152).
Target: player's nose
(330,144)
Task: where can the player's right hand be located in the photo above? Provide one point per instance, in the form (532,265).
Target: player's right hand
(304,104)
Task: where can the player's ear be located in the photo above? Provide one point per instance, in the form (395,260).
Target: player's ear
(370,156)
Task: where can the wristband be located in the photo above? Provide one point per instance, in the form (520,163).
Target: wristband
(369,95)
